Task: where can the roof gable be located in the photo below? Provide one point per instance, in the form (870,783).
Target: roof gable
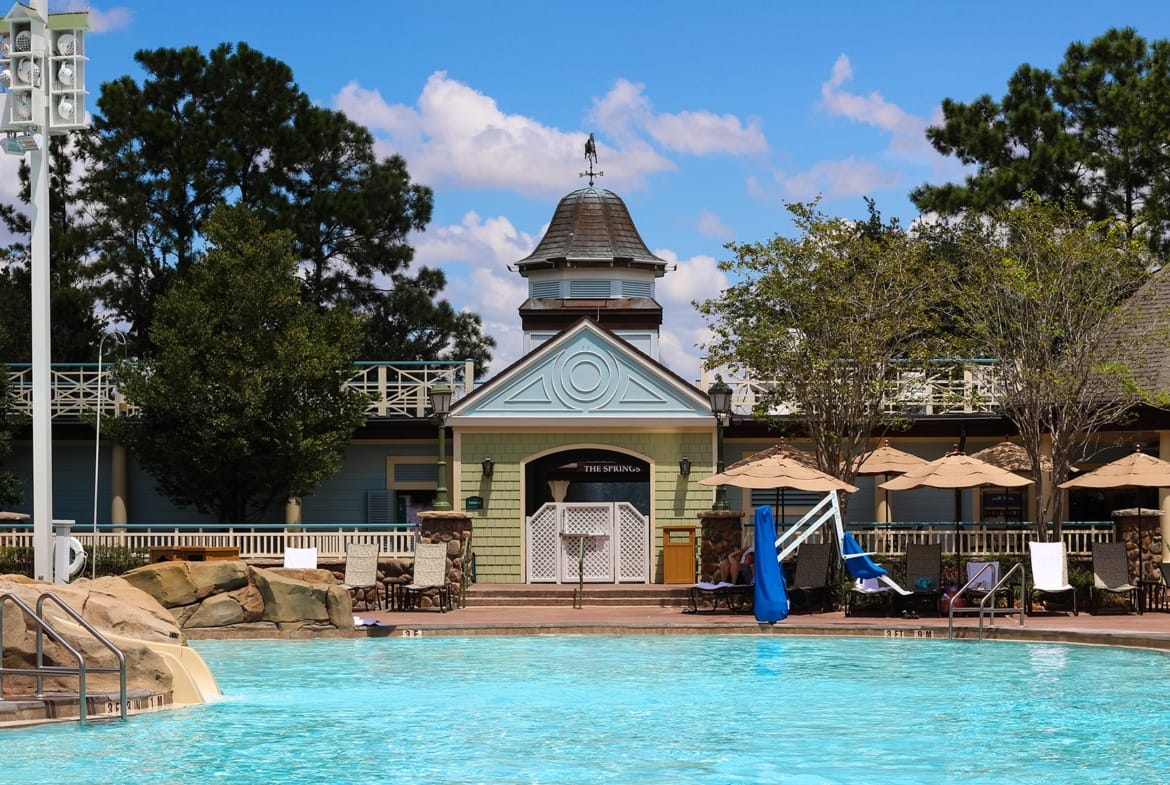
(585,372)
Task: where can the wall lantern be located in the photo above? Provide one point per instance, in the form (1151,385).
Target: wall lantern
(489,467)
(684,466)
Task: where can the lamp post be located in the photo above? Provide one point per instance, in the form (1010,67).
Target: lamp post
(719,395)
(42,73)
(440,395)
(119,339)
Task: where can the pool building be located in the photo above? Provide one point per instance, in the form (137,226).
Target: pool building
(587,448)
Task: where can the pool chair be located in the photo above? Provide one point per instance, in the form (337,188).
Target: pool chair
(1049,573)
(429,576)
(705,596)
(859,564)
(811,577)
(982,577)
(300,558)
(924,574)
(1111,577)
(869,592)
(361,573)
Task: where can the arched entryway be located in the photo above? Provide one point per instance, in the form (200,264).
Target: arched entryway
(587,515)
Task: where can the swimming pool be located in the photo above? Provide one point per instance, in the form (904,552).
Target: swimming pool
(635,709)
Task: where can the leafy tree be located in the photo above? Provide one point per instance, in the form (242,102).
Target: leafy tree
(76,325)
(242,399)
(822,317)
(410,322)
(1045,298)
(1092,134)
(234,127)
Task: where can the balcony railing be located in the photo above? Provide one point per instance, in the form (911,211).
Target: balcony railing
(395,389)
(948,387)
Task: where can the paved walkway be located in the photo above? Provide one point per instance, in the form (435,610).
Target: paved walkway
(1150,630)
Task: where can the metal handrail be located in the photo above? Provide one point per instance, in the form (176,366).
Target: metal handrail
(984,608)
(81,670)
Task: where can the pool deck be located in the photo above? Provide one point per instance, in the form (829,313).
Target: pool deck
(1149,630)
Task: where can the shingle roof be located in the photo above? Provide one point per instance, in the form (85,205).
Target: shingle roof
(591,225)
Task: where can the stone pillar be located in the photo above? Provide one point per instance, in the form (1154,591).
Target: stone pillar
(1164,497)
(118,489)
(721,533)
(1144,542)
(454,529)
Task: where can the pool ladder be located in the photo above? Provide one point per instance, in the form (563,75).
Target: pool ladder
(81,670)
(986,607)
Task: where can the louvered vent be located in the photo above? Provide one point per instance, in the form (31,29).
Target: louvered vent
(590,290)
(378,506)
(637,289)
(416,472)
(549,289)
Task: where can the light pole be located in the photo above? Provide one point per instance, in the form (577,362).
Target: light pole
(440,395)
(120,339)
(719,395)
(42,73)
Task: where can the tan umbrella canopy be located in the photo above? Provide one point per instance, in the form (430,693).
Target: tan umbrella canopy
(956,470)
(1136,470)
(1011,456)
(12,516)
(779,466)
(887,460)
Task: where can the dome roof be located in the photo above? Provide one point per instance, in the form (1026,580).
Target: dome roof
(591,226)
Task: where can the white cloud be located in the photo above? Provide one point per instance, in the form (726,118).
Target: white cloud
(684,329)
(907,131)
(845,178)
(112,19)
(711,225)
(626,110)
(457,136)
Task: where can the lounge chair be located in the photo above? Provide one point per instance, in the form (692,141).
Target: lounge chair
(859,564)
(1111,576)
(430,575)
(985,575)
(867,591)
(924,574)
(705,596)
(300,558)
(811,576)
(361,572)
(1049,572)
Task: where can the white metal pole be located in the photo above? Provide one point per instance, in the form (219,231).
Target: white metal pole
(41,356)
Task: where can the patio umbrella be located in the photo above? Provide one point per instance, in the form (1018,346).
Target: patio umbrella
(779,467)
(1011,456)
(1136,470)
(886,460)
(12,516)
(956,470)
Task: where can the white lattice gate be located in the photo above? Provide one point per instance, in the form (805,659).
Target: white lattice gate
(611,541)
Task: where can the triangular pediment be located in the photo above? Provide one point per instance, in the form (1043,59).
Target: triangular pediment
(585,372)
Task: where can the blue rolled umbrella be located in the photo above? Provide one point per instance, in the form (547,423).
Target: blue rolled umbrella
(771,596)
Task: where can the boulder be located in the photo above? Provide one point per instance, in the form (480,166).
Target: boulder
(220,610)
(291,600)
(169,582)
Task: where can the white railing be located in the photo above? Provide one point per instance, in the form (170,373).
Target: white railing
(252,544)
(949,387)
(395,389)
(398,542)
(974,540)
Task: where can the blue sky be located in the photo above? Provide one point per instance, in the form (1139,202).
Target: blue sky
(709,116)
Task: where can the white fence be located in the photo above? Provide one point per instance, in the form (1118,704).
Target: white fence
(251,543)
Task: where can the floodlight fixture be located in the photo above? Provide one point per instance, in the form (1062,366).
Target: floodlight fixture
(19,145)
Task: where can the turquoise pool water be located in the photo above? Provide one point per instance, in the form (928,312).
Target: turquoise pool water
(635,709)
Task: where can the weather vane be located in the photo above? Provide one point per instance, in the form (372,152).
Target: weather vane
(591,157)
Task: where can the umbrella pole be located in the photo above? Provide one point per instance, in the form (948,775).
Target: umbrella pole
(958,518)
